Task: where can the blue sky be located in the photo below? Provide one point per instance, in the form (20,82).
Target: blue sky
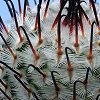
(4,13)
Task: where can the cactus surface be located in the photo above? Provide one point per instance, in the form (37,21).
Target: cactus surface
(51,51)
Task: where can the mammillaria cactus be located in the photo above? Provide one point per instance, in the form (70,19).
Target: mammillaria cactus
(51,52)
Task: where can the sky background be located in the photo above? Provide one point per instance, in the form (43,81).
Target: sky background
(4,13)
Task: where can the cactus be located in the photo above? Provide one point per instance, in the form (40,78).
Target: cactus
(51,51)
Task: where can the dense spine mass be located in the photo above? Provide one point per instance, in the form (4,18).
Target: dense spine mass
(51,52)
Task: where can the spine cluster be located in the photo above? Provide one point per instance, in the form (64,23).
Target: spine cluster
(51,52)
